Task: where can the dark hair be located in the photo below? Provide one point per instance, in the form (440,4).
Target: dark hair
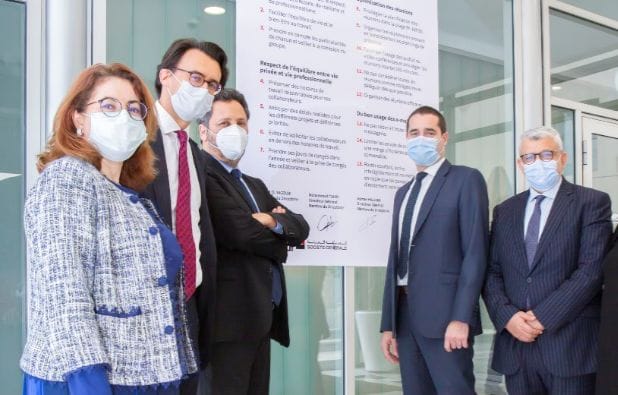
(179,47)
(138,171)
(226,95)
(428,110)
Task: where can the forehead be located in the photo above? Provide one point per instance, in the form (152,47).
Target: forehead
(424,121)
(196,60)
(534,146)
(115,87)
(228,109)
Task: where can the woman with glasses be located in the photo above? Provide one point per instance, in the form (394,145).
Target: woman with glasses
(106,312)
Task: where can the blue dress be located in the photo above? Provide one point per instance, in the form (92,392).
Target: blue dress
(93,379)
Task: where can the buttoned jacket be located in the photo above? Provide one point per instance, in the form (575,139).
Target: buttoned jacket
(97,291)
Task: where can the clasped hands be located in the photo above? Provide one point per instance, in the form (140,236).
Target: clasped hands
(266,219)
(524,326)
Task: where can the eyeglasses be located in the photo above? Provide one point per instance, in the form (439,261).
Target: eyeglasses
(198,80)
(545,156)
(112,107)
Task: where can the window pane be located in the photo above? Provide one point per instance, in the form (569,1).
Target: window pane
(12,269)
(313,364)
(606,8)
(584,61)
(476,93)
(563,121)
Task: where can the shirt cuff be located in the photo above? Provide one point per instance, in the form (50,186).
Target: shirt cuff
(278,229)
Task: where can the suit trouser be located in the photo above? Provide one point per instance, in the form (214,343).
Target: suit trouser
(426,368)
(533,378)
(240,368)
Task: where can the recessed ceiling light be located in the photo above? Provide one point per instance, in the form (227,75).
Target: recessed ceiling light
(214,10)
(556,88)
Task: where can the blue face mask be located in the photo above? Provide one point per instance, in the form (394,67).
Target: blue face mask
(423,150)
(542,176)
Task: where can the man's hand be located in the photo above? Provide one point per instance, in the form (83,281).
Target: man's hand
(389,347)
(265,219)
(534,322)
(456,336)
(279,210)
(521,327)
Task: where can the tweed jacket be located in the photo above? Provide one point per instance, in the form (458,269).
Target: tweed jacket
(97,291)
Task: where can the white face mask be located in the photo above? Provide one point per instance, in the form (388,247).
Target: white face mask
(116,138)
(190,102)
(231,141)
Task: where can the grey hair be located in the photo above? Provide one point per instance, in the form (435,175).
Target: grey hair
(542,132)
(226,95)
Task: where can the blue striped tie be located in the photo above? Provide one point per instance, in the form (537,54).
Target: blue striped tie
(532,234)
(404,241)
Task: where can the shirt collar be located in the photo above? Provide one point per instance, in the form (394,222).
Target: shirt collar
(166,122)
(550,193)
(227,167)
(433,169)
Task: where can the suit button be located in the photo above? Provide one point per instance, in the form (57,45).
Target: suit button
(169,330)
(153,230)
(134,198)
(162,281)
(529,280)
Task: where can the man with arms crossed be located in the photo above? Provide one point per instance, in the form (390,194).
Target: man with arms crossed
(253,231)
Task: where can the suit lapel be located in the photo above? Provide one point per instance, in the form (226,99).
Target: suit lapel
(431,195)
(218,169)
(161,183)
(564,197)
(517,225)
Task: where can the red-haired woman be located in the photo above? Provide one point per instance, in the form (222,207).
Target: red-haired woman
(105,302)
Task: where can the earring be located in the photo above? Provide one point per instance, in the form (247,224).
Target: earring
(79,132)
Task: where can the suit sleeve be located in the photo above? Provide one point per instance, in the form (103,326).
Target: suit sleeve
(499,306)
(387,323)
(566,302)
(237,230)
(473,231)
(295,228)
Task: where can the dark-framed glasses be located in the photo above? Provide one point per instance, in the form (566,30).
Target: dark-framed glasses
(112,107)
(198,80)
(545,156)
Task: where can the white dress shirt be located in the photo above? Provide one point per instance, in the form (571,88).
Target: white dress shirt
(168,128)
(550,197)
(425,183)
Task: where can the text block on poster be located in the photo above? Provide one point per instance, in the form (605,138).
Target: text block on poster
(330,84)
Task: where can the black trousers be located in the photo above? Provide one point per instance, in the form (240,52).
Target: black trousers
(241,368)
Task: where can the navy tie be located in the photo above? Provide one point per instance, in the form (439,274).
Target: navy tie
(404,241)
(532,234)
(245,192)
(277,290)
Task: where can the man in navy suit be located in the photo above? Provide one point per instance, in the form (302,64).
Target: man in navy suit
(436,265)
(543,288)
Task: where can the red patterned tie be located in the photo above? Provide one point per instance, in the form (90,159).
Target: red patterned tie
(184,231)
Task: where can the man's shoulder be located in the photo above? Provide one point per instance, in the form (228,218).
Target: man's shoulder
(462,170)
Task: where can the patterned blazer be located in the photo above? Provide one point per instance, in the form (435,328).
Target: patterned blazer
(97,291)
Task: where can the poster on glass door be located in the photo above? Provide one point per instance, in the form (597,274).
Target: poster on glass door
(330,84)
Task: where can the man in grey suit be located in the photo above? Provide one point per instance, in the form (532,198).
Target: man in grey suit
(543,286)
(436,265)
